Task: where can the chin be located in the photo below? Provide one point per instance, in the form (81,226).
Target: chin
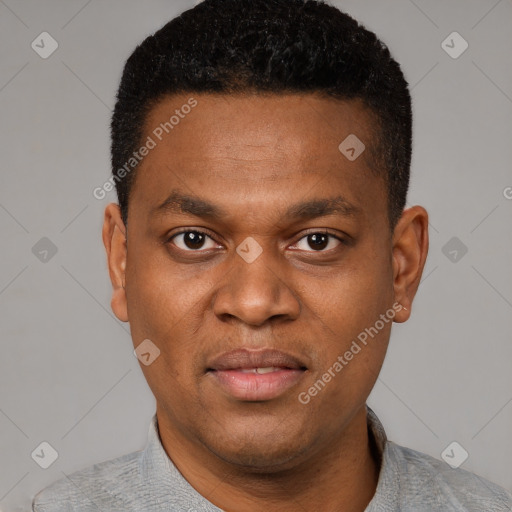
(266,451)
(253,461)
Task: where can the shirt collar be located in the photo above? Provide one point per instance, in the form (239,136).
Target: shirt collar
(163,479)
(377,435)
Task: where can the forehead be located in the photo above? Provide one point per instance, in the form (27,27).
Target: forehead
(254,149)
(302,123)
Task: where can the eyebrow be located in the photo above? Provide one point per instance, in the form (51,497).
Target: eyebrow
(178,202)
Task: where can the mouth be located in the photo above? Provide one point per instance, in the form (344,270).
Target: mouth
(251,375)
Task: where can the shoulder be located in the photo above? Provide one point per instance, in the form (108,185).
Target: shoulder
(107,485)
(425,479)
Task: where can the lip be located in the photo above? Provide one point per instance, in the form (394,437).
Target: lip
(227,370)
(262,358)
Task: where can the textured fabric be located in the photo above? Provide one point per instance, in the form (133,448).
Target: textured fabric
(148,481)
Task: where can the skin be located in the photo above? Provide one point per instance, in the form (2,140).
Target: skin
(254,157)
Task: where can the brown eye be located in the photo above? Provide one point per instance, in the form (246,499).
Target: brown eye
(318,242)
(191,240)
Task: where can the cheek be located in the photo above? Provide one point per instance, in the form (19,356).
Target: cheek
(354,294)
(160,295)
(167,306)
(346,313)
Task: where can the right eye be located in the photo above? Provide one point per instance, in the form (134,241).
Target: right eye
(191,240)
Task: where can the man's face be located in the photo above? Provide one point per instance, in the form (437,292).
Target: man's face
(195,290)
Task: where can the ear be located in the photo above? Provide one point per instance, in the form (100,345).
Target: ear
(114,239)
(410,249)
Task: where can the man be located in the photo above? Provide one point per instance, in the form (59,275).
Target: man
(261,252)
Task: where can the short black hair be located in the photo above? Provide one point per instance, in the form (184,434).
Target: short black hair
(268,46)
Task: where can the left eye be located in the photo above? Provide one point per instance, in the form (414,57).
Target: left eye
(319,241)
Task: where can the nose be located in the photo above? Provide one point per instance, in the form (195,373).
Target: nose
(256,292)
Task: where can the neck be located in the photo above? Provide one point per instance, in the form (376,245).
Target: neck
(341,475)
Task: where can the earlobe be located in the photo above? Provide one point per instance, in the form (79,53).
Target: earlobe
(114,239)
(410,249)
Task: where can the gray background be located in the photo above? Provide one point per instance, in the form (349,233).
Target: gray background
(68,375)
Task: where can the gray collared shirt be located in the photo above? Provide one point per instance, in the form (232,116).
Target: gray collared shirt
(148,481)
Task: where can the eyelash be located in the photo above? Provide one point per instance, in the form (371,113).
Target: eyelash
(312,232)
